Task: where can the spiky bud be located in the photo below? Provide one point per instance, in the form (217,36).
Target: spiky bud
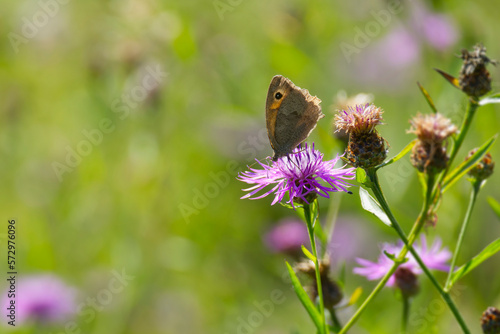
(490,321)
(483,169)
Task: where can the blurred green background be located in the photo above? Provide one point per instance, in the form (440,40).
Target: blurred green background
(156,195)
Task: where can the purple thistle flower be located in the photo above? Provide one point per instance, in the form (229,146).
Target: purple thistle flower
(299,174)
(433,257)
(42,298)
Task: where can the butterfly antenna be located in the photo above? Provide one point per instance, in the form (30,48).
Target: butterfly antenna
(258,161)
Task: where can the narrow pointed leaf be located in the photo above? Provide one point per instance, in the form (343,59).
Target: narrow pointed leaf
(371,205)
(485,254)
(355,296)
(401,154)
(465,166)
(304,299)
(495,98)
(308,254)
(494,205)
(451,79)
(427,97)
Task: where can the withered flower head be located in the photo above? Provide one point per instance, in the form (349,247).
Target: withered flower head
(483,169)
(474,78)
(490,321)
(366,147)
(433,128)
(429,153)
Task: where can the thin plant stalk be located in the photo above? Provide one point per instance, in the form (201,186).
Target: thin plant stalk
(408,241)
(464,128)
(476,186)
(335,321)
(406,314)
(416,228)
(310,229)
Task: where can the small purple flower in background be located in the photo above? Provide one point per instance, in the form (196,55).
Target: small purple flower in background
(438,30)
(287,237)
(43,299)
(350,238)
(433,257)
(299,174)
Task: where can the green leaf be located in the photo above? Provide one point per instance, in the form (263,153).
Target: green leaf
(494,205)
(450,78)
(465,166)
(305,300)
(494,98)
(361,176)
(423,183)
(289,206)
(308,254)
(355,296)
(401,154)
(485,254)
(371,205)
(390,256)
(427,97)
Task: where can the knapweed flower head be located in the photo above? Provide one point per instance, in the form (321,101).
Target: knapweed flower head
(490,321)
(42,299)
(483,169)
(366,148)
(432,128)
(429,153)
(360,118)
(342,102)
(299,174)
(287,236)
(434,257)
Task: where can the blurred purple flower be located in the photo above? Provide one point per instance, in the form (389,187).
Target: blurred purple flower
(433,257)
(439,31)
(388,62)
(42,298)
(287,237)
(399,48)
(351,237)
(298,174)
(436,29)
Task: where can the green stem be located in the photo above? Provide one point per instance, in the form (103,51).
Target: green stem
(464,128)
(406,314)
(377,190)
(335,321)
(408,242)
(310,229)
(476,186)
(469,115)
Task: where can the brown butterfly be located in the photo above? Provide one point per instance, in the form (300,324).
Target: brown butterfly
(291,115)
